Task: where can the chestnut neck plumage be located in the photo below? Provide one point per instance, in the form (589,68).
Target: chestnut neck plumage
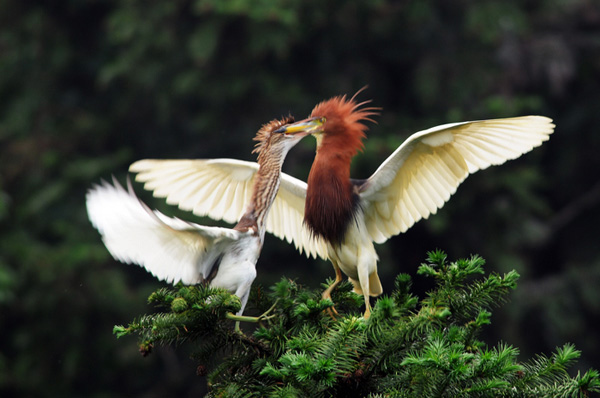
(331,202)
(331,199)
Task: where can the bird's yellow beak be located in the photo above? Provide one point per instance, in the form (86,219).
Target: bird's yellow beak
(310,126)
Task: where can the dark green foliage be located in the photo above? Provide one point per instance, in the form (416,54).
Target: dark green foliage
(407,348)
(193,312)
(88,87)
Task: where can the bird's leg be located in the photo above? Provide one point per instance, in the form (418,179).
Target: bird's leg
(367,313)
(365,286)
(241,318)
(252,319)
(327,293)
(264,315)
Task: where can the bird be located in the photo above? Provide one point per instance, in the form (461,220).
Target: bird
(339,218)
(175,250)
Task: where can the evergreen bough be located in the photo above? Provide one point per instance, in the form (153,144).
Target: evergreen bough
(407,348)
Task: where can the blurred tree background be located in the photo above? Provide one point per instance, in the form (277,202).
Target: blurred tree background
(87,87)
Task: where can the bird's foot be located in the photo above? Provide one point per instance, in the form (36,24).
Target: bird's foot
(367,313)
(237,328)
(331,311)
(252,319)
(265,315)
(327,293)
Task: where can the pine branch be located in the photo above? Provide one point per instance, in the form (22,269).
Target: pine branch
(408,347)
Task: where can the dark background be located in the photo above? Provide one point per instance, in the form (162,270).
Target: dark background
(87,87)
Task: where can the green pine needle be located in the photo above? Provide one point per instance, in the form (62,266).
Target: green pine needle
(408,347)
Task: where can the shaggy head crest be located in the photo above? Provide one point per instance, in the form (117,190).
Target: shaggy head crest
(266,132)
(345,120)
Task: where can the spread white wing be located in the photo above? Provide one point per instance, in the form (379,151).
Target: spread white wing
(171,249)
(222,188)
(217,188)
(419,177)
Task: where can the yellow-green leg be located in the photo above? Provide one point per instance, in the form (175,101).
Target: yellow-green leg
(327,293)
(367,313)
(252,319)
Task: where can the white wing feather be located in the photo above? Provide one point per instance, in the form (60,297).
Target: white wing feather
(419,177)
(171,249)
(222,188)
(218,188)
